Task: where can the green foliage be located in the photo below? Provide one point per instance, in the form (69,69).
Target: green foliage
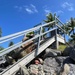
(30,33)
(1,48)
(72,40)
(70,28)
(71,25)
(11,43)
(0,32)
(38,24)
(50,17)
(62,47)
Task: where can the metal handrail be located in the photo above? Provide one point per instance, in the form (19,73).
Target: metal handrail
(13,36)
(63,31)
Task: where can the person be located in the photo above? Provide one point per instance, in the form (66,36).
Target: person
(37,67)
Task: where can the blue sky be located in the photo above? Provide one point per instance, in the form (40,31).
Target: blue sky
(19,15)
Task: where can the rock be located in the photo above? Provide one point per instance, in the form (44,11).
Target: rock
(72,54)
(22,71)
(36,69)
(67,51)
(1,70)
(57,65)
(68,60)
(70,51)
(25,38)
(72,69)
(10,60)
(50,66)
(60,60)
(52,53)
(66,70)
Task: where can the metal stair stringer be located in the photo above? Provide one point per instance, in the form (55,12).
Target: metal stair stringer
(25,60)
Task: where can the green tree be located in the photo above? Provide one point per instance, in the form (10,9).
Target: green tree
(1,48)
(70,28)
(0,32)
(11,43)
(72,25)
(50,17)
(12,52)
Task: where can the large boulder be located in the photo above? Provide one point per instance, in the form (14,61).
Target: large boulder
(51,53)
(68,69)
(72,54)
(67,51)
(50,66)
(22,71)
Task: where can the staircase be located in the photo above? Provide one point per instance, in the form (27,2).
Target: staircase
(41,43)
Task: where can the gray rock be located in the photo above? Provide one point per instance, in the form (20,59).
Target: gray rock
(22,71)
(72,54)
(50,66)
(72,69)
(67,51)
(52,53)
(68,69)
(60,60)
(65,70)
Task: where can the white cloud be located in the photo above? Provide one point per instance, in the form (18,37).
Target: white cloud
(68,6)
(46,10)
(34,8)
(71,9)
(31,9)
(15,6)
(59,12)
(19,8)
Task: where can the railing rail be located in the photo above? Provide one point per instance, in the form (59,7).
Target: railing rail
(16,35)
(13,36)
(37,51)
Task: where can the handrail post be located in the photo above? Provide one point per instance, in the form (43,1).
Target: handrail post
(41,29)
(57,43)
(38,43)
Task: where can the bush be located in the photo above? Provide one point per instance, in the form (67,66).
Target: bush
(62,47)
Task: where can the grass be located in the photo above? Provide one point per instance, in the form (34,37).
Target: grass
(62,47)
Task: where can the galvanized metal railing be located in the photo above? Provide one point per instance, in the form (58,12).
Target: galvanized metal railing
(30,56)
(16,35)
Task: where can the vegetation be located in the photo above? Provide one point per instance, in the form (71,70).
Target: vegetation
(29,34)
(62,47)
(50,17)
(70,28)
(0,32)
(11,43)
(12,52)
(1,48)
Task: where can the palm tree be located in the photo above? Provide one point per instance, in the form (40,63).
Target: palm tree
(11,43)
(12,52)
(72,40)
(71,25)
(1,48)
(50,17)
(0,32)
